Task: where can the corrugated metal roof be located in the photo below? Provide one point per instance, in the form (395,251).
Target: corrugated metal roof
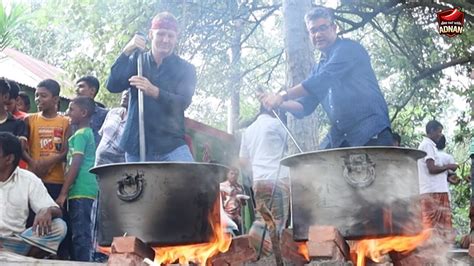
(29,71)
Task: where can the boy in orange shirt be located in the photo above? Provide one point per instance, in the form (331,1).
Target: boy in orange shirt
(48,133)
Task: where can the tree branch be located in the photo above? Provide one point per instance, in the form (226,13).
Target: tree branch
(439,67)
(258,22)
(394,43)
(395,6)
(366,17)
(280,56)
(261,64)
(429,72)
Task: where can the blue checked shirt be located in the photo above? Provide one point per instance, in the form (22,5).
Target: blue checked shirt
(345,85)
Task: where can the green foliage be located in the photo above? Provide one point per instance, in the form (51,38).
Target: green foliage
(85,37)
(11,20)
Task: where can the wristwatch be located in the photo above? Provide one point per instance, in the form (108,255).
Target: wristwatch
(284,95)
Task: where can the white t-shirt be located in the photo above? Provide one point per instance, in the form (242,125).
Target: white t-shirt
(262,144)
(22,188)
(446,158)
(430,183)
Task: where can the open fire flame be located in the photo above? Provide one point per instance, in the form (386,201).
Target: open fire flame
(198,253)
(376,248)
(303,250)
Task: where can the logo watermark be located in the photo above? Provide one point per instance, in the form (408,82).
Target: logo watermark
(450,22)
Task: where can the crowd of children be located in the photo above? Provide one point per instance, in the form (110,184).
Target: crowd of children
(59,156)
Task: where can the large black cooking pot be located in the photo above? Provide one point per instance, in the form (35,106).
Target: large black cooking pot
(161,203)
(363,191)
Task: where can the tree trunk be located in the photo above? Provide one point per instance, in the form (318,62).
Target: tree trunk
(299,55)
(472,100)
(236,75)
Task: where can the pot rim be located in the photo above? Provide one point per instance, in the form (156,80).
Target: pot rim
(95,169)
(296,158)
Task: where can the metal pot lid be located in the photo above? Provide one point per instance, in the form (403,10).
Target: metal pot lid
(295,159)
(95,170)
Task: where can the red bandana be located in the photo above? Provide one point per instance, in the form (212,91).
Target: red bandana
(164,23)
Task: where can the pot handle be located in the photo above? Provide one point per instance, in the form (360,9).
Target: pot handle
(359,170)
(130,181)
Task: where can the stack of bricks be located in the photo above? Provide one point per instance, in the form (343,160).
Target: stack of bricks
(325,246)
(129,250)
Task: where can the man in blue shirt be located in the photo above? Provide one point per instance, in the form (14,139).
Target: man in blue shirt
(344,83)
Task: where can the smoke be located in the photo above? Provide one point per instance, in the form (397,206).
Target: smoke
(357,190)
(364,192)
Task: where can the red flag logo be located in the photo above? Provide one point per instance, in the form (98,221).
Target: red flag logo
(450,22)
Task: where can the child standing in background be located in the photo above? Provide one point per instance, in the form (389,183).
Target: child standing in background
(48,132)
(233,197)
(80,186)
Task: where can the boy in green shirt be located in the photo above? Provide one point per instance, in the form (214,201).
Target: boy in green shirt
(80,187)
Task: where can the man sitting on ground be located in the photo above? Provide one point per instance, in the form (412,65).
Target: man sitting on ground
(20,189)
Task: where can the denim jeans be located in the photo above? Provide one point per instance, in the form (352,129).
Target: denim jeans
(81,228)
(180,154)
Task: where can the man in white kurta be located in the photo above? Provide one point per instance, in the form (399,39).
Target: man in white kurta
(19,190)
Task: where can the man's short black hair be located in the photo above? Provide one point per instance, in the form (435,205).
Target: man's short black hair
(91,81)
(319,12)
(85,103)
(14,89)
(9,144)
(4,86)
(432,126)
(26,99)
(51,85)
(441,143)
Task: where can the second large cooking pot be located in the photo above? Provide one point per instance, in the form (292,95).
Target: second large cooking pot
(363,191)
(161,203)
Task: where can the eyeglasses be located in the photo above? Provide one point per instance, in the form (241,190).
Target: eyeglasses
(320,29)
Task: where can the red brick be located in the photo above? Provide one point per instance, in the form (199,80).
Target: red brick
(327,250)
(240,251)
(132,245)
(471,250)
(289,248)
(130,259)
(328,234)
(322,233)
